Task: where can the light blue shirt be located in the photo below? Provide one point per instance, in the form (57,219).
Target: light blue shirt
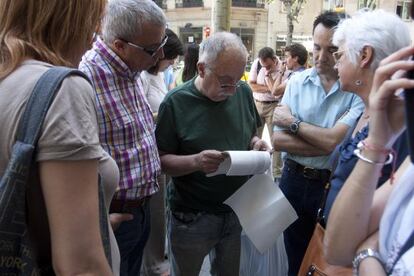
(309,102)
(168,76)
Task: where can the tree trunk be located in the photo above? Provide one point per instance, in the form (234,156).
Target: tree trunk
(220,15)
(288,5)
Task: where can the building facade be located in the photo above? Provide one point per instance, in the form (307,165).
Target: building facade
(260,23)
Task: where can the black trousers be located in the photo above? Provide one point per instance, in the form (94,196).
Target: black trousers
(305,195)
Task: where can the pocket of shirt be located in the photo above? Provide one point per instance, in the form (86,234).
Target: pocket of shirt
(123,131)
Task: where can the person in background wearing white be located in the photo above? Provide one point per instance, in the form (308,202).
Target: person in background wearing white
(155,91)
(296,57)
(153,79)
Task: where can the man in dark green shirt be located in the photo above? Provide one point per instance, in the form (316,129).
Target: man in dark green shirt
(209,114)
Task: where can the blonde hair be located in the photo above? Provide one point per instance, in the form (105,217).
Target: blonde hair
(46,30)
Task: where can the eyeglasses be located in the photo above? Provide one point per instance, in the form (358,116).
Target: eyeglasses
(225,85)
(151,52)
(337,55)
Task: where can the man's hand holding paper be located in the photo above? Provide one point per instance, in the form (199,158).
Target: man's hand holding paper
(208,161)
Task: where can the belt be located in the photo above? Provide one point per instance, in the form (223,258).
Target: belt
(123,206)
(308,172)
(267,102)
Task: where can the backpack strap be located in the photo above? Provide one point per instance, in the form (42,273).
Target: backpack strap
(39,102)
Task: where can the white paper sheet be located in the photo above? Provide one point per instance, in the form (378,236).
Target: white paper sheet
(243,163)
(263,210)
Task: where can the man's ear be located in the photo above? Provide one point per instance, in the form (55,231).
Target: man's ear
(201,68)
(366,57)
(119,47)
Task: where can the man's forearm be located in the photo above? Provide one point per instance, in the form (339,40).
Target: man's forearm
(258,88)
(178,165)
(284,141)
(323,138)
(278,90)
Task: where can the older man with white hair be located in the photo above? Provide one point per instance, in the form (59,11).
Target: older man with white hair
(133,34)
(211,113)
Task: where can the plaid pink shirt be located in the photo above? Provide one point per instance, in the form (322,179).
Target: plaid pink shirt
(126,125)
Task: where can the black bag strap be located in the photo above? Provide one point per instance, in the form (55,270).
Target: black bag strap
(39,102)
(259,66)
(321,209)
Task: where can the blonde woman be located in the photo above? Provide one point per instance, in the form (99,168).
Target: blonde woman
(63,212)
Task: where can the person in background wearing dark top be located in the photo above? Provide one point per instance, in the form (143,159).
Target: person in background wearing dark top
(363,42)
(190,64)
(296,57)
(373,228)
(211,113)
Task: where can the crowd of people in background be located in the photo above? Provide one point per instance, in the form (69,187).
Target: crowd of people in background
(150,133)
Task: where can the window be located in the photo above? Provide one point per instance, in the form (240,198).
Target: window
(247,3)
(161,3)
(188,3)
(333,4)
(403,9)
(371,4)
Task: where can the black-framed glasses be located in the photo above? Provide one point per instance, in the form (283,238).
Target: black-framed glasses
(225,85)
(151,52)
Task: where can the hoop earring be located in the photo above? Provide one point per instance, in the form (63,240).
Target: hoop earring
(358,82)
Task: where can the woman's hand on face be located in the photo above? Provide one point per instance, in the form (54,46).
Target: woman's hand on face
(386,108)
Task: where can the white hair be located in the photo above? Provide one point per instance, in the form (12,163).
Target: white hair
(383,31)
(124,18)
(220,42)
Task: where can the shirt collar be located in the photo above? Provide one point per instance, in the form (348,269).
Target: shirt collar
(113,59)
(314,78)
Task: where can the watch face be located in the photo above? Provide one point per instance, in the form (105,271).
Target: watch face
(294,127)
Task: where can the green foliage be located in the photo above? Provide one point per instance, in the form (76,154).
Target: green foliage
(294,6)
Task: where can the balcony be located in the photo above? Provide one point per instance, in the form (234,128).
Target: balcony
(248,3)
(188,3)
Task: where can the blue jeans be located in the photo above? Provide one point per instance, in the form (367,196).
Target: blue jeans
(194,235)
(131,237)
(305,195)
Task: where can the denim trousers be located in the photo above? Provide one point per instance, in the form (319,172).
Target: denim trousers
(305,196)
(194,235)
(131,237)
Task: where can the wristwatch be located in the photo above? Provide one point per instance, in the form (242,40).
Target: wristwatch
(366,253)
(294,127)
